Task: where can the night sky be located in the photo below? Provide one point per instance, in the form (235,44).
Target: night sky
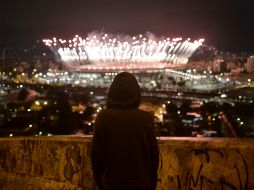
(226,24)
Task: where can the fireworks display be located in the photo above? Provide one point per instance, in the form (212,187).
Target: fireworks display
(100,51)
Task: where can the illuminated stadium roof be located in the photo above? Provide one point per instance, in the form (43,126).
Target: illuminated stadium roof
(102,51)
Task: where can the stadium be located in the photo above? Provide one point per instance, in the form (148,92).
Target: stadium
(157,62)
(102,52)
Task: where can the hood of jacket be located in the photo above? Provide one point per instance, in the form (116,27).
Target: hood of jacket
(124,92)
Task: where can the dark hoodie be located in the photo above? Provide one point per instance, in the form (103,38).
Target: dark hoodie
(124,148)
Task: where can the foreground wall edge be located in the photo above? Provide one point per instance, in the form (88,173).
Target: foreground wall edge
(63,162)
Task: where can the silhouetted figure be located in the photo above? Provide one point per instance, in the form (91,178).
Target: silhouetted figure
(124,148)
(65,118)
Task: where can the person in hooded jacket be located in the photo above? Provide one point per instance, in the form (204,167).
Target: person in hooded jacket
(125,153)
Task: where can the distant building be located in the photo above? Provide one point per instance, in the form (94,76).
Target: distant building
(219,65)
(250,64)
(231,65)
(237,70)
(209,68)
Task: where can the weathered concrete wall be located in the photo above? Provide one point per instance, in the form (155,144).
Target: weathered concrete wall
(54,163)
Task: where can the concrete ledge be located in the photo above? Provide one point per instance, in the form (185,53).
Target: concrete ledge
(63,162)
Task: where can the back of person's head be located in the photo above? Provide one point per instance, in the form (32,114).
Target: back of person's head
(124,92)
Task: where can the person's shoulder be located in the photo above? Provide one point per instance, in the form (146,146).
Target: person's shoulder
(147,118)
(103,112)
(103,116)
(145,113)
(106,113)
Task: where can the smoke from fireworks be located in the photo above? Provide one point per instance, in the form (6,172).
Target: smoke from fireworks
(101,50)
